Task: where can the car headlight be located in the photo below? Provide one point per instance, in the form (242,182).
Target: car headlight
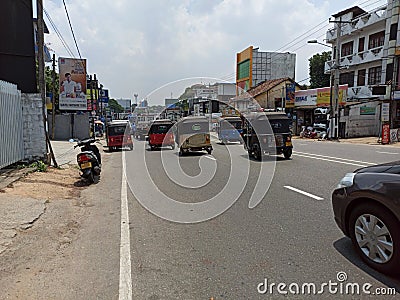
(347,180)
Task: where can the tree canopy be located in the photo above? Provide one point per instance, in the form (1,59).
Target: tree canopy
(115,106)
(318,78)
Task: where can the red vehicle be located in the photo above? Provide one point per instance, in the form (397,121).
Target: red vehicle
(118,135)
(160,134)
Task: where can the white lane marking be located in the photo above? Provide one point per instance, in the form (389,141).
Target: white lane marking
(303,192)
(125,278)
(210,157)
(335,161)
(383,152)
(338,158)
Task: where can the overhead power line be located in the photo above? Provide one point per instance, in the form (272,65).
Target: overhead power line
(59,35)
(72,30)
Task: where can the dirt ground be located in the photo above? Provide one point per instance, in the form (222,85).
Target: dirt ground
(50,185)
(35,251)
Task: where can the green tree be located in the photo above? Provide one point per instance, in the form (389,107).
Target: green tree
(318,78)
(115,106)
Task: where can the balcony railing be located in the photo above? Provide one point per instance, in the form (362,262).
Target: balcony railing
(357,58)
(359,23)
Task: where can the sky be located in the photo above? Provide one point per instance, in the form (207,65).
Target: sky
(157,48)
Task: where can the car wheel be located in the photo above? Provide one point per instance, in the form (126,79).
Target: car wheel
(209,150)
(257,153)
(287,153)
(376,238)
(181,152)
(172,147)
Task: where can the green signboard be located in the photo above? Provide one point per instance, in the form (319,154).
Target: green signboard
(364,110)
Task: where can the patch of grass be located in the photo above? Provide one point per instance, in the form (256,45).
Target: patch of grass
(39,166)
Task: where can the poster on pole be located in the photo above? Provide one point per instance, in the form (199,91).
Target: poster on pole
(72,84)
(385,134)
(290,95)
(385,112)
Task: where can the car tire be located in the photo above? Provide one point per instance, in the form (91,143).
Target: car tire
(287,153)
(172,147)
(181,152)
(257,153)
(209,151)
(378,248)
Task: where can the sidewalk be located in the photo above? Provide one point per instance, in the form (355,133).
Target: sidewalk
(372,140)
(22,205)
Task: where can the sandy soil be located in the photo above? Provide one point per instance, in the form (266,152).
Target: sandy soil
(54,184)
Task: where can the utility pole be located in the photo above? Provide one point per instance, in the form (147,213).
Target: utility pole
(335,104)
(53,103)
(92,112)
(42,83)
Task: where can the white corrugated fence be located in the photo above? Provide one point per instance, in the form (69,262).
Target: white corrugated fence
(11,125)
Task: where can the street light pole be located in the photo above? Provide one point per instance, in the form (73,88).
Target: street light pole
(336,81)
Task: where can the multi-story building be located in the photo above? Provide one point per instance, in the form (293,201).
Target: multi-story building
(254,67)
(368,47)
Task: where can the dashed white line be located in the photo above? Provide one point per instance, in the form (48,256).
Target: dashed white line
(210,157)
(338,160)
(383,152)
(303,192)
(125,277)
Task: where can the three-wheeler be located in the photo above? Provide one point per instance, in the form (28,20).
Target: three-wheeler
(267,133)
(160,134)
(118,135)
(193,134)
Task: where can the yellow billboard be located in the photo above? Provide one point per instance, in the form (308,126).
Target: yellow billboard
(324,95)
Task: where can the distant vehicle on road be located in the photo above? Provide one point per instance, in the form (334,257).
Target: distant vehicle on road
(229,129)
(193,134)
(160,134)
(366,207)
(267,133)
(118,135)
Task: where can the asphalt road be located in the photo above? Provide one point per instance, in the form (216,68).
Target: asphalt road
(199,227)
(289,237)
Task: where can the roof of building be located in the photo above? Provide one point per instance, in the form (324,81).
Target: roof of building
(266,86)
(356,10)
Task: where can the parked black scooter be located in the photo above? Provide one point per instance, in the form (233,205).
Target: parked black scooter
(89,160)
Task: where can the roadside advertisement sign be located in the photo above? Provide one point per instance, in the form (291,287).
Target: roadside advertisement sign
(385,134)
(72,84)
(324,95)
(385,110)
(290,95)
(306,98)
(365,110)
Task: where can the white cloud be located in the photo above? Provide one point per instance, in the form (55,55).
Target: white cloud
(138,46)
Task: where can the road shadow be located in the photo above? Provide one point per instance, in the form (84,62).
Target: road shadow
(266,158)
(346,249)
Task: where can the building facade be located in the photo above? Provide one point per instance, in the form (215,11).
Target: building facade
(368,47)
(254,67)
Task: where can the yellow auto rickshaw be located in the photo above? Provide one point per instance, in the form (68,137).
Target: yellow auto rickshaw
(193,134)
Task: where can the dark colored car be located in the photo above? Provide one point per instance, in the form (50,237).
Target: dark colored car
(366,206)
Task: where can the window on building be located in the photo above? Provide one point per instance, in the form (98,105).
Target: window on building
(244,69)
(347,78)
(376,40)
(361,42)
(347,49)
(361,77)
(374,75)
(389,72)
(393,32)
